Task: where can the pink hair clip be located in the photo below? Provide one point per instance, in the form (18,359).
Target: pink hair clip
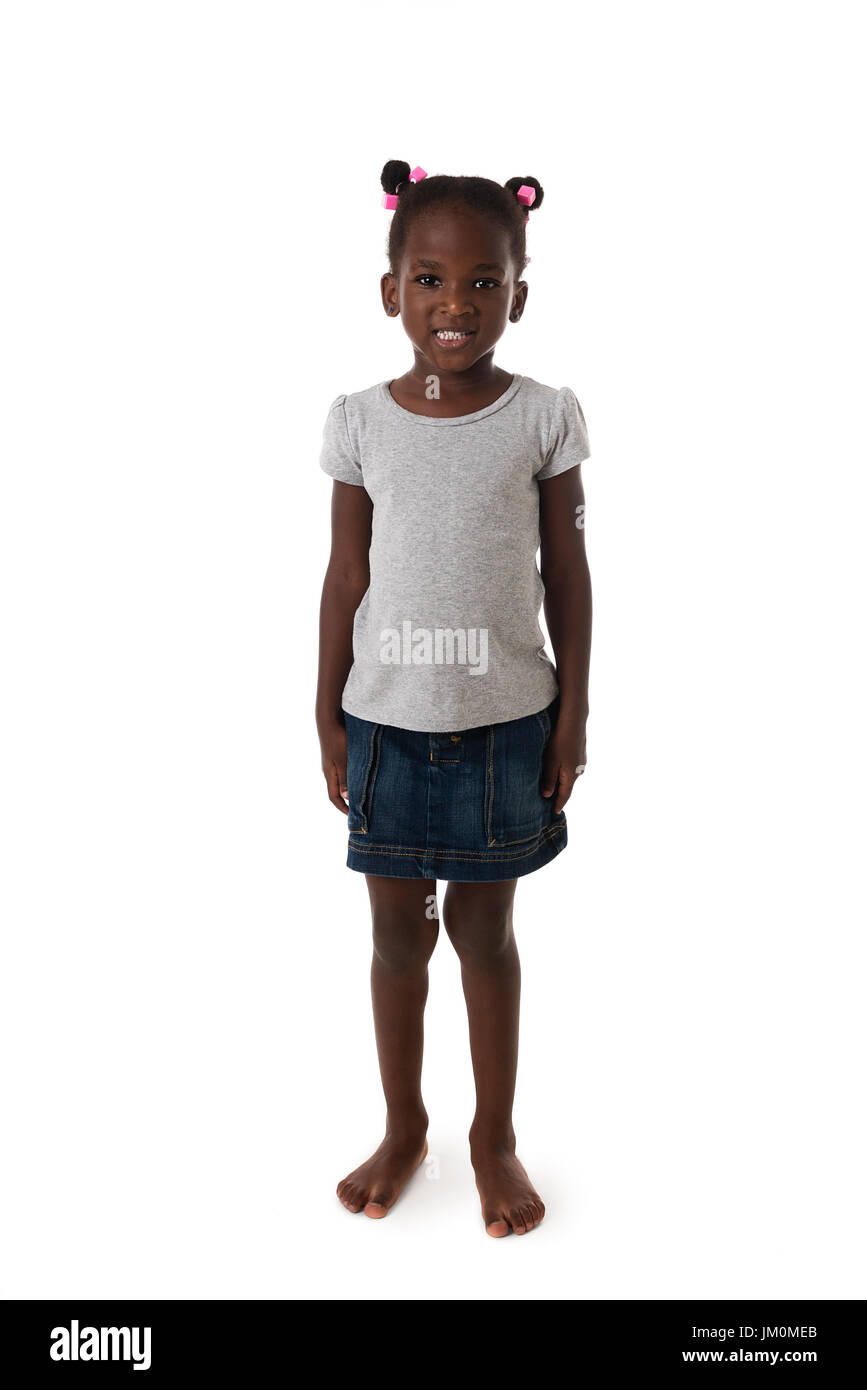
(389,200)
(527,196)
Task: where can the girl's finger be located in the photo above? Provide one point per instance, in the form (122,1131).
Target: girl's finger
(564,789)
(338,793)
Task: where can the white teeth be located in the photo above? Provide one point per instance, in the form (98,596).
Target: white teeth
(449,333)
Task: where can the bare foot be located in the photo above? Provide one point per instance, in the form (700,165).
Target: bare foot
(510,1202)
(378,1183)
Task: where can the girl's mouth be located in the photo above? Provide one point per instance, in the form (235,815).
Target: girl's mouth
(453,338)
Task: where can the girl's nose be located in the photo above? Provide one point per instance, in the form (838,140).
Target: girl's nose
(456,306)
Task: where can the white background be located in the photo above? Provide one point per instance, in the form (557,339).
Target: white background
(191,249)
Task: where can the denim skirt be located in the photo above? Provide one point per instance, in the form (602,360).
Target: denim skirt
(465,805)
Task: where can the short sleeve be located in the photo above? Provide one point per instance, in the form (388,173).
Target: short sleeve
(568,444)
(337,457)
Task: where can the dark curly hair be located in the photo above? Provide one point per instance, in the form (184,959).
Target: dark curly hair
(495,200)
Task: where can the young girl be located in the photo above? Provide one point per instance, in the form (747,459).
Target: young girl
(442,721)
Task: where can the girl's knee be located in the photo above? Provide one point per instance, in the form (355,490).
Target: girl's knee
(402,941)
(478,933)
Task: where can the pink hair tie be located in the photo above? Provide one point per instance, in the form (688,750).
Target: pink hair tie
(389,200)
(527,196)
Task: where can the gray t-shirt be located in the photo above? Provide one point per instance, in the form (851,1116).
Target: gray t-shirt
(447,635)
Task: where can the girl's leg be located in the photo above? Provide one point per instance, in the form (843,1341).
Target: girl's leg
(478,920)
(404,936)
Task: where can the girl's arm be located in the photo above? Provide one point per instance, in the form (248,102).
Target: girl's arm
(568,614)
(346,582)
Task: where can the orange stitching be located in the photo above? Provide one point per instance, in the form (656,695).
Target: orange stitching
(368,790)
(521,838)
(362,829)
(400,853)
(489,819)
(492,782)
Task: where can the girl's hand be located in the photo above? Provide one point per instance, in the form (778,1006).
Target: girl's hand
(332,742)
(565,752)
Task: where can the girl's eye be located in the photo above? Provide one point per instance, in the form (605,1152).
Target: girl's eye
(420,279)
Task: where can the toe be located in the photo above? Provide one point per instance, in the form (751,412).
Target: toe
(531,1216)
(496,1226)
(380,1196)
(376,1210)
(518,1220)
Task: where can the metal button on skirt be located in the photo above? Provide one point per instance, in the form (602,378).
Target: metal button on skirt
(465,805)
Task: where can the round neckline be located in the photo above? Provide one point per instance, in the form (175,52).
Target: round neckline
(510,391)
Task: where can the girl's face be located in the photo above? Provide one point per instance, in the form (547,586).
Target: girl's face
(456,274)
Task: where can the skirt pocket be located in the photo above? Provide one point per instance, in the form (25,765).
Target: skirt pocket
(363,741)
(515,809)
